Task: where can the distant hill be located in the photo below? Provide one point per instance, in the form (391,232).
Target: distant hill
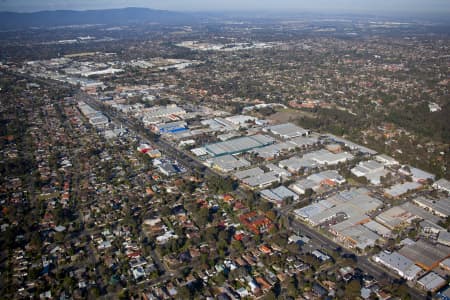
(13,20)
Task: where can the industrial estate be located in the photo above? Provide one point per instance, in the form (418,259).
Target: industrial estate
(215,161)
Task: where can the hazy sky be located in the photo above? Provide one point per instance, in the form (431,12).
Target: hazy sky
(366,6)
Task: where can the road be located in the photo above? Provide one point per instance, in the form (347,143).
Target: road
(193,165)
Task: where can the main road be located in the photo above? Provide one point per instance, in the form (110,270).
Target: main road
(363,262)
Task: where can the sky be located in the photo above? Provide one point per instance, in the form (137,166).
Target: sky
(339,6)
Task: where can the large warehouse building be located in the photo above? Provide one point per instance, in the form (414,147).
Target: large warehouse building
(239,145)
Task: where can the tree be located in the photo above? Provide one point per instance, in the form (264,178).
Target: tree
(270,296)
(184,293)
(292,288)
(353,290)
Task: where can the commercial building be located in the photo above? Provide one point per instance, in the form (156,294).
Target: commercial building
(171,127)
(169,169)
(239,145)
(398,263)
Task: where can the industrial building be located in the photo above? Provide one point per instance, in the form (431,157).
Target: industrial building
(95,117)
(398,263)
(416,174)
(371,170)
(439,207)
(278,195)
(350,205)
(301,186)
(295,164)
(444,238)
(282,173)
(239,145)
(431,282)
(304,141)
(354,236)
(241,120)
(329,177)
(318,180)
(272,151)
(386,160)
(287,130)
(248,173)
(325,157)
(227,163)
(395,217)
(379,229)
(426,255)
(352,145)
(442,184)
(400,189)
(262,180)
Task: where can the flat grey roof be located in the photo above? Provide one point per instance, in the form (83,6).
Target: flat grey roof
(397,261)
(425,254)
(402,188)
(239,145)
(443,183)
(229,162)
(439,205)
(432,281)
(288,130)
(248,173)
(303,141)
(284,192)
(262,179)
